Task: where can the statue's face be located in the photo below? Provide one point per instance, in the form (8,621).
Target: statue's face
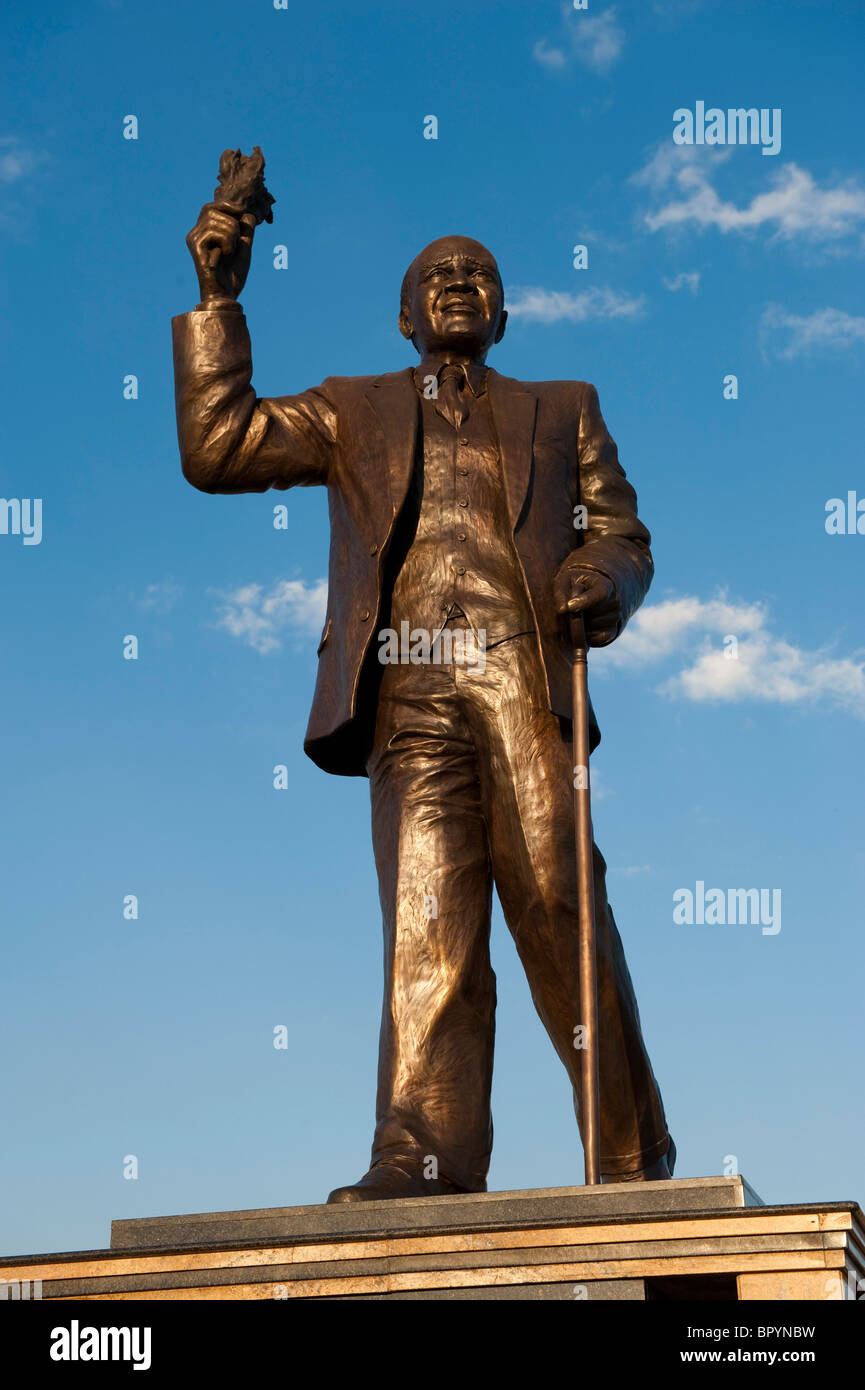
(455,299)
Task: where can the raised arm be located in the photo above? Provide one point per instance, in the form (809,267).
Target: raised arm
(230,440)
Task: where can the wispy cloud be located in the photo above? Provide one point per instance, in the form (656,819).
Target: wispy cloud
(694,634)
(658,630)
(553,58)
(685,280)
(794,205)
(555,306)
(160,597)
(593,40)
(791,335)
(261,617)
(15,159)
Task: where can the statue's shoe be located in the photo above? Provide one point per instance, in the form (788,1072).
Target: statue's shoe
(386,1181)
(656,1172)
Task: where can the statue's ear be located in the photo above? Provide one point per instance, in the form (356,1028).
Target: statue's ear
(502,325)
(406,327)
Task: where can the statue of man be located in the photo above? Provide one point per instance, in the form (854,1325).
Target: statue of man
(453,496)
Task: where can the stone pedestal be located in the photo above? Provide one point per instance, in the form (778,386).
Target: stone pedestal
(706,1238)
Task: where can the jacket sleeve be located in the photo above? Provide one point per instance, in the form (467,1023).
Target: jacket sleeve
(230,440)
(614,541)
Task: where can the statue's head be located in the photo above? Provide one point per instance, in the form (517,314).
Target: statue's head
(452,299)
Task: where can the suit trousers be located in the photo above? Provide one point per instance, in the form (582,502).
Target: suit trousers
(471,784)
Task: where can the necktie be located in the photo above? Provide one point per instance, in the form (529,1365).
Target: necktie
(452,405)
(452,398)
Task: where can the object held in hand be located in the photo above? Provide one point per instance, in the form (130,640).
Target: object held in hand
(241,189)
(590,1101)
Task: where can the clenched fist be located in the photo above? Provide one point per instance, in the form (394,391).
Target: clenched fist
(221,246)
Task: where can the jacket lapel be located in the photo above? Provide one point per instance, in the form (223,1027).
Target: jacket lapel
(394,401)
(514,411)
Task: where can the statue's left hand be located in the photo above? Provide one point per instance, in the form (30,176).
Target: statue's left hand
(591,593)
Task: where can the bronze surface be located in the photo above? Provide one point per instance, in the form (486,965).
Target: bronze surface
(452,499)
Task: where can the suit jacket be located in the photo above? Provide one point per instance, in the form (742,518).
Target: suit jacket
(356,436)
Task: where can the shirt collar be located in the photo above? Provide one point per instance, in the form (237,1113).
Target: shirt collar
(432,363)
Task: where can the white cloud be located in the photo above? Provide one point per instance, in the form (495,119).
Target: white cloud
(258,618)
(594,40)
(775,672)
(767,668)
(597,39)
(686,279)
(15,160)
(550,57)
(600,790)
(555,306)
(671,163)
(794,205)
(790,335)
(161,597)
(659,629)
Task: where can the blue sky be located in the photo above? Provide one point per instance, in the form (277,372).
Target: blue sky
(258,908)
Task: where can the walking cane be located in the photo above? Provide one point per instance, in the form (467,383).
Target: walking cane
(590,1085)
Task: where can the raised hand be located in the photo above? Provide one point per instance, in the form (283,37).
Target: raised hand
(221,247)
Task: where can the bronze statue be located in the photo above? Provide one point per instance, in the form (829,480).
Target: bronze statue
(454,497)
